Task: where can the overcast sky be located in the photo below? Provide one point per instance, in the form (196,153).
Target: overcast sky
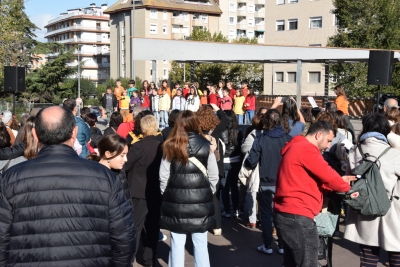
(41,11)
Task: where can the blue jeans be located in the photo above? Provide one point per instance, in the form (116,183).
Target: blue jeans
(265,197)
(163,118)
(240,118)
(157,115)
(177,253)
(300,239)
(249,116)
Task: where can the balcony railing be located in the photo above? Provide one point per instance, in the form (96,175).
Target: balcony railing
(75,27)
(82,40)
(78,13)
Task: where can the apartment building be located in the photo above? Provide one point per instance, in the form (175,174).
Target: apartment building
(297,23)
(89,29)
(243,18)
(164,19)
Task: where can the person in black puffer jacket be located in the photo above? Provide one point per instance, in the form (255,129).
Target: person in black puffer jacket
(61,210)
(187,204)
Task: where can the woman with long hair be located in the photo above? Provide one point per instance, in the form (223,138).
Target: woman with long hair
(193,100)
(341,100)
(146,87)
(381,232)
(221,86)
(292,117)
(142,167)
(188,178)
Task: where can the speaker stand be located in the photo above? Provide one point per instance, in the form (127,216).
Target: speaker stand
(14,103)
(378,99)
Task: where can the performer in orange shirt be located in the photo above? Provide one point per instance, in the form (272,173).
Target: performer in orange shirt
(341,101)
(118,91)
(164,84)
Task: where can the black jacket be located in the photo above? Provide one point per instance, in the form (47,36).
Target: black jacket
(95,135)
(110,130)
(143,166)
(61,210)
(187,205)
(266,150)
(114,101)
(12,152)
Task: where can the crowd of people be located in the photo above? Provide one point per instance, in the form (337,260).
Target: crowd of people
(73,195)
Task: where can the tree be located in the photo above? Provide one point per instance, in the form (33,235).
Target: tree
(214,72)
(372,24)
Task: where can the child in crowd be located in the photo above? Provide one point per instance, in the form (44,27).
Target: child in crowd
(221,86)
(135,99)
(232,91)
(177,86)
(199,91)
(204,98)
(193,100)
(226,100)
(164,85)
(250,106)
(238,106)
(124,104)
(179,102)
(118,90)
(213,98)
(144,99)
(244,85)
(164,106)
(186,90)
(131,88)
(154,103)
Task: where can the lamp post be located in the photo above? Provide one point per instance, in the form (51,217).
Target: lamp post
(79,80)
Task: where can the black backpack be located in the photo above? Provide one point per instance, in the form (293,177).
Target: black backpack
(368,195)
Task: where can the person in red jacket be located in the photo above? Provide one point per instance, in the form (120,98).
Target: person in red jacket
(213,98)
(250,106)
(244,85)
(302,176)
(232,91)
(144,99)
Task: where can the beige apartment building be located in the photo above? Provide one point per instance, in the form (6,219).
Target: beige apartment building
(162,19)
(297,23)
(88,28)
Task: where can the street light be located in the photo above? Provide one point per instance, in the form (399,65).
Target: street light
(79,80)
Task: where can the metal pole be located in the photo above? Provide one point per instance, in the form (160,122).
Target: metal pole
(79,79)
(184,72)
(326,87)
(132,26)
(298,78)
(272,81)
(192,71)
(154,68)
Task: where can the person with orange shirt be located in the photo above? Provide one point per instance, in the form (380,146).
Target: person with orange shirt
(118,90)
(164,85)
(204,98)
(341,101)
(244,85)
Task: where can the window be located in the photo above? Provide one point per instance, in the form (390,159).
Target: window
(185,16)
(251,8)
(335,20)
(259,21)
(241,33)
(165,73)
(250,22)
(196,16)
(165,61)
(292,24)
(279,77)
(241,6)
(280,2)
(231,20)
(291,77)
(176,29)
(293,1)
(280,25)
(153,14)
(164,29)
(315,45)
(314,77)
(185,30)
(231,34)
(204,17)
(316,23)
(164,15)
(175,14)
(232,7)
(153,28)
(98,60)
(259,8)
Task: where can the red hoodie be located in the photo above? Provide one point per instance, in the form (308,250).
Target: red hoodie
(213,99)
(145,101)
(302,174)
(251,101)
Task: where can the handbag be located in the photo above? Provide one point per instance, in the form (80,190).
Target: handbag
(326,222)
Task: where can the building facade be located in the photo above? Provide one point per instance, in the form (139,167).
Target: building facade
(88,29)
(154,19)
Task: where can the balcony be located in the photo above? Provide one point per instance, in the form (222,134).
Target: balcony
(177,21)
(259,2)
(260,13)
(242,25)
(198,22)
(241,12)
(259,27)
(74,28)
(89,65)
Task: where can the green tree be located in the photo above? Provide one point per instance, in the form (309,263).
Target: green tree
(214,72)
(372,24)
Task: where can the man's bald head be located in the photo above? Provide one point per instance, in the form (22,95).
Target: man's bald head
(54,125)
(390,103)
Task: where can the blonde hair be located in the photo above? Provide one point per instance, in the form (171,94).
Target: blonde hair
(149,125)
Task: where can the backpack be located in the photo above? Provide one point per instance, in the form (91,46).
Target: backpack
(368,195)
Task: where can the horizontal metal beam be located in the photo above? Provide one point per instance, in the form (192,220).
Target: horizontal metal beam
(184,50)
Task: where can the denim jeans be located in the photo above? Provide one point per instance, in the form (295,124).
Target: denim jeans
(300,239)
(109,111)
(164,119)
(249,116)
(240,118)
(157,115)
(231,185)
(251,202)
(265,197)
(177,253)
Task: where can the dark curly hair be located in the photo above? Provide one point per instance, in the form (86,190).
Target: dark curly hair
(137,129)
(326,116)
(208,119)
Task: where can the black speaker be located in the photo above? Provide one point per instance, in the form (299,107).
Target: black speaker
(380,67)
(14,79)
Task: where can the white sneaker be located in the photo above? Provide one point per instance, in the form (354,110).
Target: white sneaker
(265,250)
(280,250)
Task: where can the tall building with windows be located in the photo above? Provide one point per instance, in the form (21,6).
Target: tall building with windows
(164,19)
(297,23)
(89,29)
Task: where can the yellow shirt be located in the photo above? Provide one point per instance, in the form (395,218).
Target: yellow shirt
(124,102)
(238,105)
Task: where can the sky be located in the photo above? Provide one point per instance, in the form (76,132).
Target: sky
(41,11)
